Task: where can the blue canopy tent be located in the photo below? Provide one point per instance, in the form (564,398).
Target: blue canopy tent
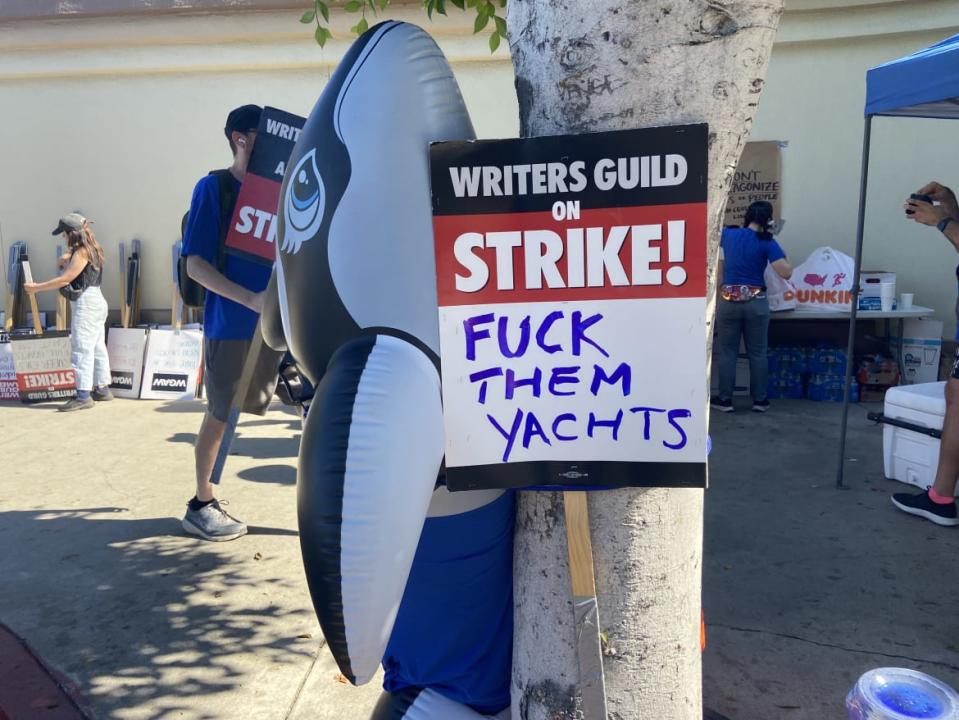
(925,85)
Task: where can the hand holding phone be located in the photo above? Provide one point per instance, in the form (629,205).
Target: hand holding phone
(918,198)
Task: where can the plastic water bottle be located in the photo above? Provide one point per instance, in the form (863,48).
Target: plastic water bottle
(901,694)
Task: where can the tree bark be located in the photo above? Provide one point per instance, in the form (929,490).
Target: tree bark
(610,65)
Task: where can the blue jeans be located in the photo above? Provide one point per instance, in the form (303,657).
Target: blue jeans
(751,321)
(89,351)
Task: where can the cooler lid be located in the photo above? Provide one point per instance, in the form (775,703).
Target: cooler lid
(927,397)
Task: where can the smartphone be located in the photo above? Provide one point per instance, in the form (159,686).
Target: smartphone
(920,198)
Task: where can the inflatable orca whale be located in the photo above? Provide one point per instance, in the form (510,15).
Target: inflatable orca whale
(401,571)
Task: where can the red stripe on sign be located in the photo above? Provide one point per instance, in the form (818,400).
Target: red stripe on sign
(48,380)
(609,253)
(253,228)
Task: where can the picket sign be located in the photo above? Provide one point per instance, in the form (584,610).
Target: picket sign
(43,368)
(8,375)
(172,364)
(824,282)
(126,347)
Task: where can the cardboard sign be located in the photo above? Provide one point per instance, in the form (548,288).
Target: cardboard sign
(171,367)
(42,364)
(125,347)
(253,228)
(758,177)
(8,375)
(571,279)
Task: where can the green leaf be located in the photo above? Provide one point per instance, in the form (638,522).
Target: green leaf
(481,21)
(500,25)
(493,42)
(308,17)
(459,3)
(322,34)
(362,26)
(353,6)
(324,10)
(383,4)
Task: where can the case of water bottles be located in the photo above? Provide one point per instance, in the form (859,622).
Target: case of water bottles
(817,373)
(901,694)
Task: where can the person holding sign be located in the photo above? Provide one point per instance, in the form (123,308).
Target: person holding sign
(80,283)
(234,300)
(743,310)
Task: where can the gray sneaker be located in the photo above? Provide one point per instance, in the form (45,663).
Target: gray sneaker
(212,522)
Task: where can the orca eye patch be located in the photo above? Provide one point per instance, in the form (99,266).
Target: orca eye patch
(303,204)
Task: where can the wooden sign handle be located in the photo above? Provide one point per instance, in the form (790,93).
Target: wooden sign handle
(580,545)
(589,649)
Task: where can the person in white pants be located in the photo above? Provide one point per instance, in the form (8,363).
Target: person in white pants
(80,282)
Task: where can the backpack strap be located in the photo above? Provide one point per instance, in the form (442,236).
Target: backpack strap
(226,185)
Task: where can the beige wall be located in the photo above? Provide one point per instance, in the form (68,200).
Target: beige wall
(119,115)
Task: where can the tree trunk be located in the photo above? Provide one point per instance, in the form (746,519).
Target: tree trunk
(609,65)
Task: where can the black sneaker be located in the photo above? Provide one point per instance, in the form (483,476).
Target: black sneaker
(760,405)
(101,395)
(920,504)
(76,404)
(721,405)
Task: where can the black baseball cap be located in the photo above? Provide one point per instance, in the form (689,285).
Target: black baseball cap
(245,118)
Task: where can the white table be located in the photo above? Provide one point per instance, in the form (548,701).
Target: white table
(916,311)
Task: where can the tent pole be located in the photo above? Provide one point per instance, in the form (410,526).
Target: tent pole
(863,181)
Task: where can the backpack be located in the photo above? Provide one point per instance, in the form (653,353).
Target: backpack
(191,292)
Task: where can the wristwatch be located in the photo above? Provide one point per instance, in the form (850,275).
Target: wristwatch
(941,225)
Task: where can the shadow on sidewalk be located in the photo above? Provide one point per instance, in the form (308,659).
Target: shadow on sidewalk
(253,447)
(143,617)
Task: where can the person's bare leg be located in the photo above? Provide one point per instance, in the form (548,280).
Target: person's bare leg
(948,470)
(207,444)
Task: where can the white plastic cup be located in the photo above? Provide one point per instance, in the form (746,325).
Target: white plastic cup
(887,293)
(905,301)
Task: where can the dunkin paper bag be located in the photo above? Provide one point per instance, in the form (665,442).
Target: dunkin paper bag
(824,281)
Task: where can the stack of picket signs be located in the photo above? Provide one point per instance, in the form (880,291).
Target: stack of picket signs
(156,363)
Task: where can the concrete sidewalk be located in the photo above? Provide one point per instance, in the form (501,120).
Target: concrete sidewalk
(99,578)
(805,586)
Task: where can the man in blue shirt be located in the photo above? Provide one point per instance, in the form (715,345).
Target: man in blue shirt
(234,300)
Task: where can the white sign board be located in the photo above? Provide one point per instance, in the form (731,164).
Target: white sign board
(8,376)
(125,347)
(171,366)
(571,278)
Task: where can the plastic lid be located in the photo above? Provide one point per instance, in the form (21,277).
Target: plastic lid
(927,397)
(902,694)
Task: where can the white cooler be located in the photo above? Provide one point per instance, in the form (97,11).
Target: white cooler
(909,456)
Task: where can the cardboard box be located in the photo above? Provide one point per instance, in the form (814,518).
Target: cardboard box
(919,350)
(878,371)
(869,292)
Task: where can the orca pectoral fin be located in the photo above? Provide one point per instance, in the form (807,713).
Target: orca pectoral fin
(414,703)
(371,449)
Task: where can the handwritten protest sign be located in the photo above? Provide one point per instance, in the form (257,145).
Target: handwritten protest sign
(8,375)
(571,279)
(125,347)
(253,228)
(758,177)
(172,364)
(42,364)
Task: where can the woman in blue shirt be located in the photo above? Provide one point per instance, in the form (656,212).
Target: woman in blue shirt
(742,308)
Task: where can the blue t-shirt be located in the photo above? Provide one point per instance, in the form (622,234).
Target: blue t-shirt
(454,629)
(223,319)
(745,256)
